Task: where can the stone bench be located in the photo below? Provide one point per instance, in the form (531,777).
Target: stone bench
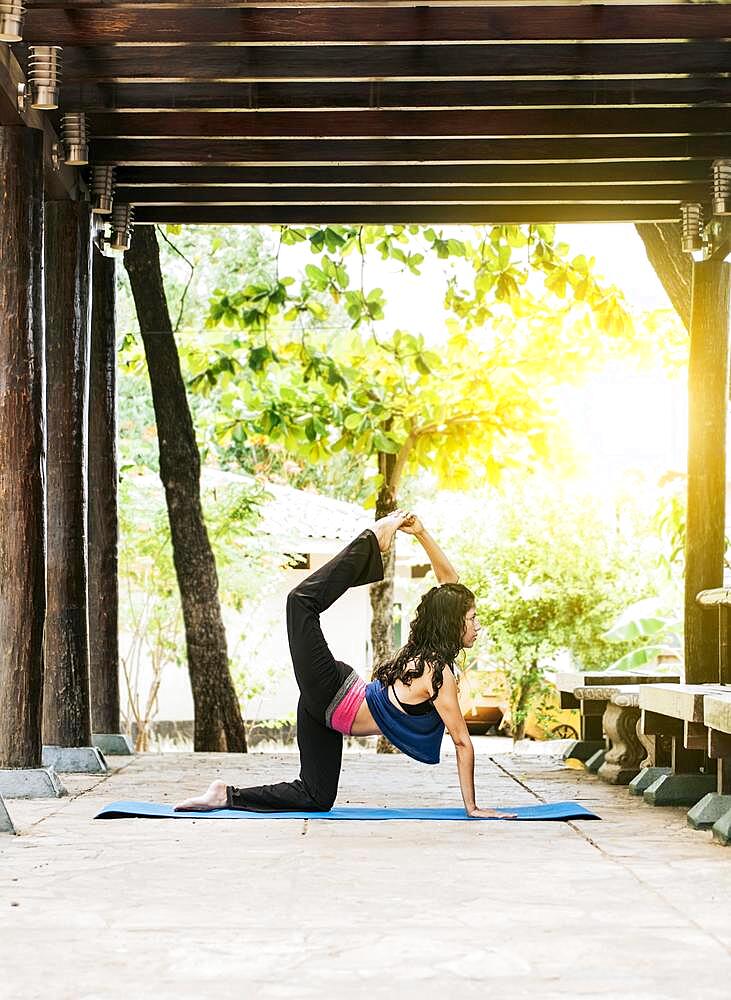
(620,761)
(591,740)
(715,809)
(676,712)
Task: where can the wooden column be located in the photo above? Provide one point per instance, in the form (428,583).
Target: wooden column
(66,708)
(103,582)
(707,403)
(22,429)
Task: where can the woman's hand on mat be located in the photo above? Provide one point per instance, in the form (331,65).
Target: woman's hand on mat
(491,814)
(412,525)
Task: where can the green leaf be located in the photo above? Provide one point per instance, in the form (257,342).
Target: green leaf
(637,658)
(383,443)
(258,356)
(353,420)
(637,628)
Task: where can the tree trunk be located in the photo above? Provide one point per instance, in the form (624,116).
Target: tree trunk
(66,705)
(707,403)
(218,722)
(103,566)
(22,447)
(381,593)
(673,267)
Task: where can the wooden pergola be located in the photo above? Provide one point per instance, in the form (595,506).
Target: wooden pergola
(316,111)
(343,110)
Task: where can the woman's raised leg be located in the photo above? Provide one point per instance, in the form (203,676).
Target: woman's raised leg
(319,675)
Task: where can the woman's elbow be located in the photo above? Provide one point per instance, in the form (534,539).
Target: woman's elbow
(462,742)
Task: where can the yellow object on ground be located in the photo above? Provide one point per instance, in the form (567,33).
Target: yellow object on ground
(485,705)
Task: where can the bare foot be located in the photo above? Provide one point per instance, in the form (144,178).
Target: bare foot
(213,798)
(385,528)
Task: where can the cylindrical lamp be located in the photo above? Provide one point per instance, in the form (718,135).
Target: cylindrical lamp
(691,215)
(75,140)
(11,20)
(102,189)
(722,187)
(122,222)
(44,75)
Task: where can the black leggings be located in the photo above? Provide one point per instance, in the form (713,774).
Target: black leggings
(320,678)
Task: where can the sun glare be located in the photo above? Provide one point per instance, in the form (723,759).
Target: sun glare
(623,422)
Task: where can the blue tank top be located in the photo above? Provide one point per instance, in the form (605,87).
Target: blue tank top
(418,736)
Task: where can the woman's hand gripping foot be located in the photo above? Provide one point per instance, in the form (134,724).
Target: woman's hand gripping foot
(213,798)
(385,527)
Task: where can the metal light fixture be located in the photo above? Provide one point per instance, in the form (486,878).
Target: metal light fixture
(691,214)
(44,74)
(722,187)
(102,190)
(122,222)
(75,141)
(11,20)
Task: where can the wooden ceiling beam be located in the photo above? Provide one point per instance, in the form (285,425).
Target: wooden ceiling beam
(330,4)
(396,95)
(410,124)
(105,23)
(668,194)
(647,174)
(224,63)
(402,213)
(182,152)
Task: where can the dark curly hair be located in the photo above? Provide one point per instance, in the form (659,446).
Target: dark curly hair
(435,637)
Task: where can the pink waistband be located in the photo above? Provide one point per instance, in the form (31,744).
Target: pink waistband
(344,715)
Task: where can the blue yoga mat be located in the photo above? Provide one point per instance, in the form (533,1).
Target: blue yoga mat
(549,810)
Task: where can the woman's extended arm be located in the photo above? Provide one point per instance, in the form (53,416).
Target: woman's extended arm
(443,569)
(447,704)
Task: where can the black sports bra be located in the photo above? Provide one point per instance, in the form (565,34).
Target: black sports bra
(420,708)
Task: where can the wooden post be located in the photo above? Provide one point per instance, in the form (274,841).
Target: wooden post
(707,402)
(103,582)
(66,709)
(22,429)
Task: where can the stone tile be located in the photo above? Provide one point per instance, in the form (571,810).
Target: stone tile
(635,906)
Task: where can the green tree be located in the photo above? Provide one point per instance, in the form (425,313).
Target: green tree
(150,608)
(549,575)
(524,317)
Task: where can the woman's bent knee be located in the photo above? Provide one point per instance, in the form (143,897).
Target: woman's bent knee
(323,803)
(296,596)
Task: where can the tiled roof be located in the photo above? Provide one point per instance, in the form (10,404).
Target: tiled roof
(297,521)
(303,521)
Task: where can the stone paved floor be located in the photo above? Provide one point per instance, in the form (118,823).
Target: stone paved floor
(637,906)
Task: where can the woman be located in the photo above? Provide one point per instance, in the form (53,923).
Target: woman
(411,700)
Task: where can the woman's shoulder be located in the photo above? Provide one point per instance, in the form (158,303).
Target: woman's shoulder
(436,671)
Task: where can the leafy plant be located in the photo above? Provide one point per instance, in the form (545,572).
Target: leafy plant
(660,634)
(548,574)
(151,623)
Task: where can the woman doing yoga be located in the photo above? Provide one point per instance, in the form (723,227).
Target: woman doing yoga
(411,699)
